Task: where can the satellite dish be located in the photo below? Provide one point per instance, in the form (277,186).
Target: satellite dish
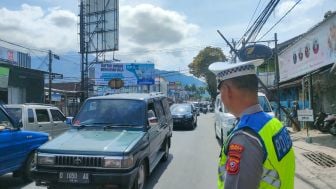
(256,51)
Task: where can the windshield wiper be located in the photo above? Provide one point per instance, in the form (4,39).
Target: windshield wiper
(117,125)
(81,126)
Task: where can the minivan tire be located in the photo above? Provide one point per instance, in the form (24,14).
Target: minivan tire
(222,138)
(141,174)
(166,150)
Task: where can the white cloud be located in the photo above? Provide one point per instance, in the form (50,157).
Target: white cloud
(143,28)
(148,32)
(31,26)
(304,7)
(146,25)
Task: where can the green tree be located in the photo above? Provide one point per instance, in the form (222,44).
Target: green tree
(200,64)
(187,88)
(193,88)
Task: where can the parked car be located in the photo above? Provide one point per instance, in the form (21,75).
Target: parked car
(203,108)
(184,115)
(224,121)
(265,104)
(17,147)
(197,108)
(211,108)
(39,117)
(115,141)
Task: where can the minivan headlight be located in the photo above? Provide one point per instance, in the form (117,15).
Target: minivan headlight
(45,159)
(118,161)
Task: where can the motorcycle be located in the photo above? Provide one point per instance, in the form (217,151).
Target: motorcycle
(331,120)
(326,123)
(319,122)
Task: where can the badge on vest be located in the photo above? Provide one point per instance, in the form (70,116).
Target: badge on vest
(233,161)
(282,143)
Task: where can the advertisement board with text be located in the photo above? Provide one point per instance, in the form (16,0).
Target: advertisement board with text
(313,51)
(132,74)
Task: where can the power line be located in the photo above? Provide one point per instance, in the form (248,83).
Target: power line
(30,49)
(280,19)
(248,25)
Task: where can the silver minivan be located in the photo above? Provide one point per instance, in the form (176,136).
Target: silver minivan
(39,117)
(224,120)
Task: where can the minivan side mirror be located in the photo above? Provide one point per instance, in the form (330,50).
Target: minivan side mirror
(152,121)
(68,120)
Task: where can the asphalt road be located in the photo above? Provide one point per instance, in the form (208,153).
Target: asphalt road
(192,162)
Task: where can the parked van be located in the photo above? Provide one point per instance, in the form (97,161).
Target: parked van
(39,117)
(224,121)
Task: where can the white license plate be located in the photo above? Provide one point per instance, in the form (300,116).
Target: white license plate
(73,177)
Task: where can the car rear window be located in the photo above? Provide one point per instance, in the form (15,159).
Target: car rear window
(15,113)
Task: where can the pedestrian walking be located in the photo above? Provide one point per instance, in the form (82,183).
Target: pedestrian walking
(258,152)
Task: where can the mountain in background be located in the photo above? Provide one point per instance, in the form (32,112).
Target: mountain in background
(71,71)
(174,76)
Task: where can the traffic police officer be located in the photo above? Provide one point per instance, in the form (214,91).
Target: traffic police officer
(258,152)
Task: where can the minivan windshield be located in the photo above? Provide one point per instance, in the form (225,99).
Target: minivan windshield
(264,104)
(111,112)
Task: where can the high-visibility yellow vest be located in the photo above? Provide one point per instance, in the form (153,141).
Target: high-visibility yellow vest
(279,160)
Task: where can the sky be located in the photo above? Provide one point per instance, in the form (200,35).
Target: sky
(169,33)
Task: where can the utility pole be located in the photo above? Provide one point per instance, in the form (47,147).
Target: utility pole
(82,50)
(50,77)
(234,47)
(277,72)
(159,83)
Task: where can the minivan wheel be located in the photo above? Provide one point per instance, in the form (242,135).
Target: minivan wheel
(216,132)
(166,151)
(222,138)
(29,165)
(141,177)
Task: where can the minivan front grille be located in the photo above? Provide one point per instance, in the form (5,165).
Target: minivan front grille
(79,161)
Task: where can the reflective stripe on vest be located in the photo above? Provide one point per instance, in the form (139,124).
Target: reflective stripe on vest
(277,173)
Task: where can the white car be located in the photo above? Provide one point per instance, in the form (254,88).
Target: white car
(39,117)
(224,121)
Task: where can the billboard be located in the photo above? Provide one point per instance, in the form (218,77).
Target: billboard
(313,51)
(132,74)
(101,23)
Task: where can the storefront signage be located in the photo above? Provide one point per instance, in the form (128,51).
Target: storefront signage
(4,73)
(8,55)
(313,51)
